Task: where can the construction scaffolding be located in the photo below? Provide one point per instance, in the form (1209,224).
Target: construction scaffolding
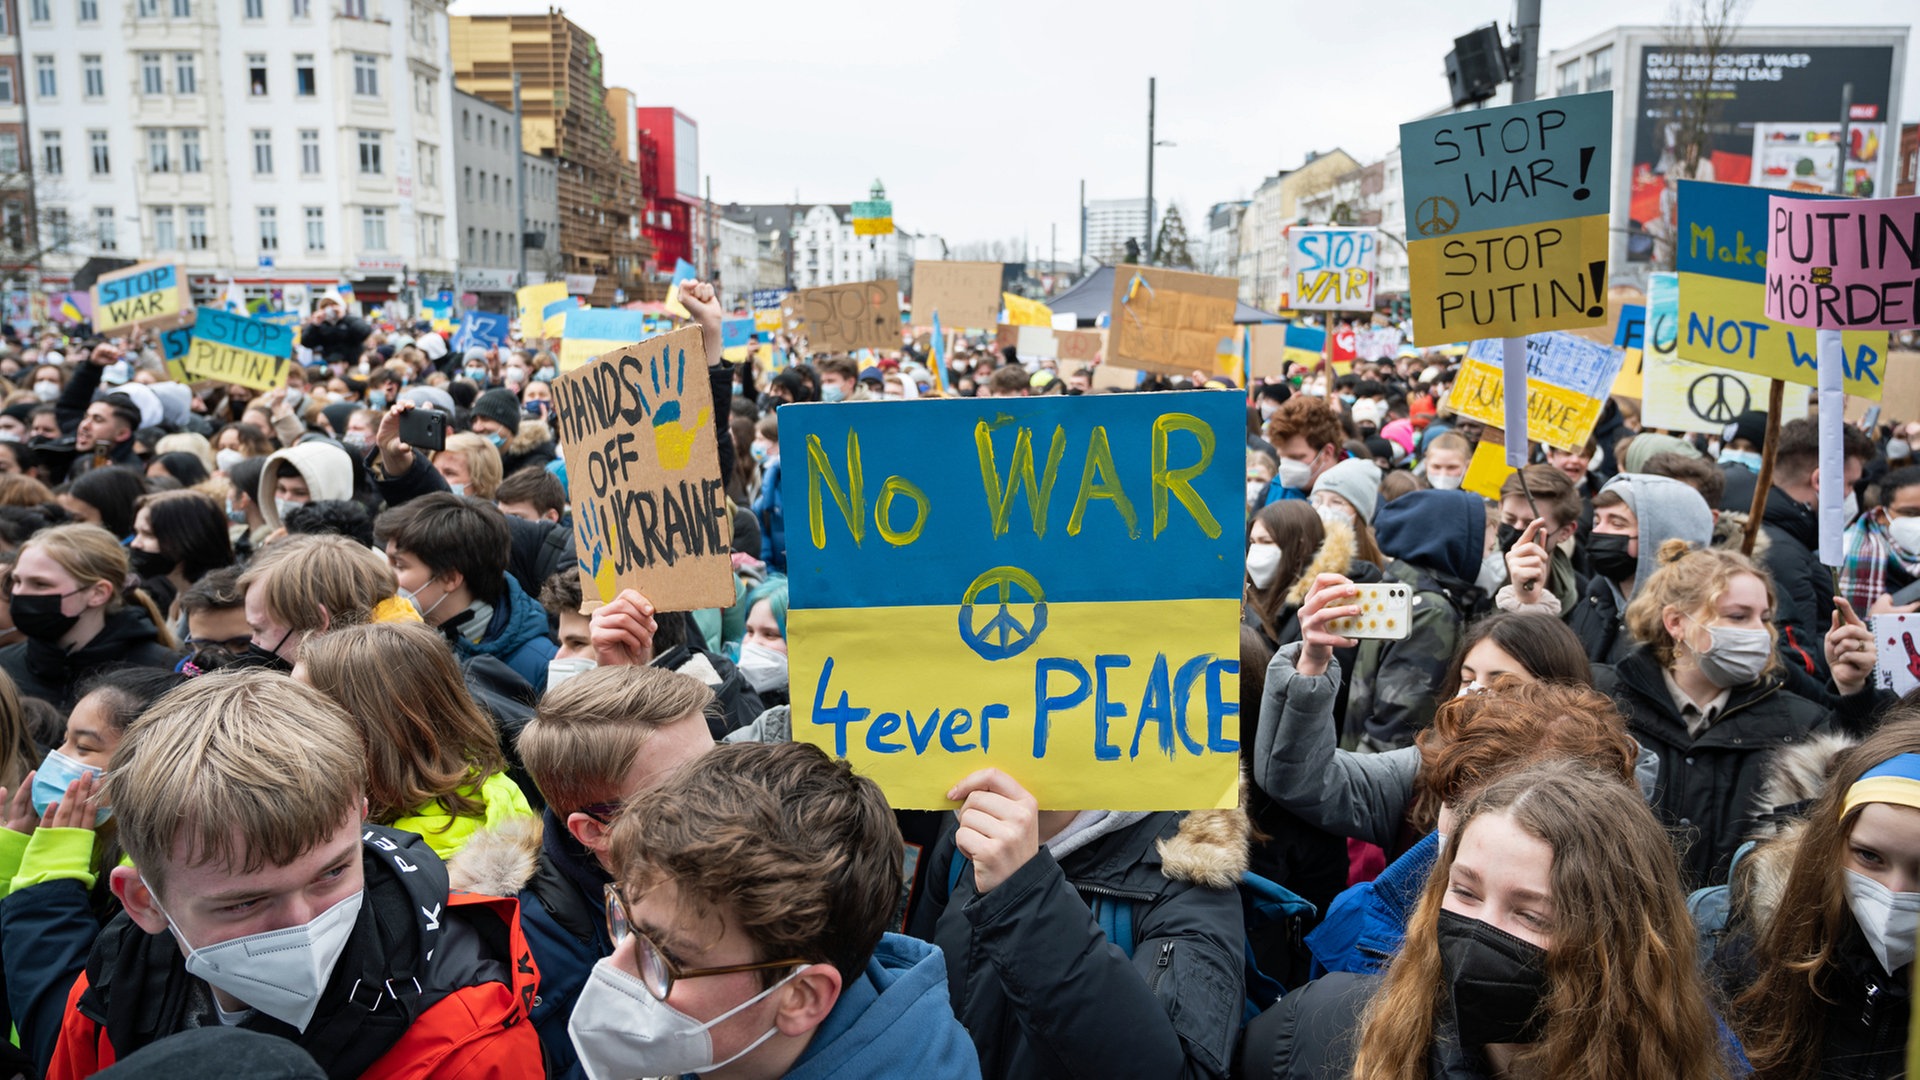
(566,115)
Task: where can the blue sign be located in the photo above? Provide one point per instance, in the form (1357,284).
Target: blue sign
(735,332)
(481,330)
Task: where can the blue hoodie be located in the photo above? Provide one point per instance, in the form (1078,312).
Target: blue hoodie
(894,1020)
(1441,531)
(517,635)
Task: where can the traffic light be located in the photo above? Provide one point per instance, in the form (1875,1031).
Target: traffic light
(1476,66)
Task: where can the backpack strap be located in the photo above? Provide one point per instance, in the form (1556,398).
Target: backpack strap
(1115,918)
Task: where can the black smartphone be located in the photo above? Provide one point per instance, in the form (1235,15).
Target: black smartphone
(424,429)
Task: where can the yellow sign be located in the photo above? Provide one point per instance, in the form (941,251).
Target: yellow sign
(1568,380)
(1510,282)
(1024,312)
(1488,470)
(147,294)
(1721,324)
(533,302)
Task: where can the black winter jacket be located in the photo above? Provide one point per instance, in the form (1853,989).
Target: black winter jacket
(1314,1033)
(45,671)
(1596,619)
(1805,586)
(1045,994)
(338,342)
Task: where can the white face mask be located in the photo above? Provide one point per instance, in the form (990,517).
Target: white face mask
(1473,687)
(1852,505)
(559,671)
(1330,511)
(765,668)
(279,972)
(1493,572)
(1906,534)
(1297,475)
(46,390)
(1446,481)
(1736,656)
(1263,562)
(1256,491)
(227,459)
(1887,918)
(1268,408)
(621,1030)
(283,507)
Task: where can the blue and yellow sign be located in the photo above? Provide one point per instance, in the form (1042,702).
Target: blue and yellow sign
(1046,586)
(235,349)
(1507,218)
(1721,255)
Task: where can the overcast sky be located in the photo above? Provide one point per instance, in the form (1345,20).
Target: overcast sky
(983,116)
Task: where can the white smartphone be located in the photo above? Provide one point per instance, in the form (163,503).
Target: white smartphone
(1386,613)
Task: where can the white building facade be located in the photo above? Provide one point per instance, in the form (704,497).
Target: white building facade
(279,142)
(1111,223)
(826,251)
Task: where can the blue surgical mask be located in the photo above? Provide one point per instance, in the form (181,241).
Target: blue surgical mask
(377,400)
(1747,458)
(477,374)
(835,392)
(760,454)
(55,775)
(545,374)
(498,440)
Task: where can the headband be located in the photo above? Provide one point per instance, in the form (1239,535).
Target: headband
(1895,780)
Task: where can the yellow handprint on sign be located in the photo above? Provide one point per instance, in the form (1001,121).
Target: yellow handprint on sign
(672,439)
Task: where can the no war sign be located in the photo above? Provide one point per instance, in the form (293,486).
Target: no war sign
(1049,586)
(1507,218)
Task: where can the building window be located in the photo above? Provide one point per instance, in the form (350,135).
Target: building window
(97,151)
(309,152)
(373,228)
(183,9)
(13,221)
(301,9)
(186,73)
(257,74)
(145,9)
(1600,77)
(429,165)
(104,231)
(152,81)
(471,257)
(89,11)
(6,84)
(196,228)
(9,152)
(1569,80)
(303,83)
(269,228)
(353,9)
(262,152)
(466,182)
(366,75)
(46,82)
(53,162)
(466,129)
(93,77)
(42,10)
(190,150)
(60,227)
(316,228)
(163,237)
(157,150)
(496,187)
(370,154)
(255,9)
(430,228)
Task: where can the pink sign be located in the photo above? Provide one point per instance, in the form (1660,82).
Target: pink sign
(1849,264)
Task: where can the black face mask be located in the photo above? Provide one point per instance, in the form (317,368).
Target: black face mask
(1506,536)
(1497,981)
(39,616)
(1607,554)
(151,563)
(265,659)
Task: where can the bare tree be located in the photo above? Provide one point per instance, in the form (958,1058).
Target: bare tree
(34,223)
(1700,31)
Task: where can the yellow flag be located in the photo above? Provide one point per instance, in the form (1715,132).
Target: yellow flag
(1024,312)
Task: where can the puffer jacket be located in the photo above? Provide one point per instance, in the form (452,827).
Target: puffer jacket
(517,635)
(1042,990)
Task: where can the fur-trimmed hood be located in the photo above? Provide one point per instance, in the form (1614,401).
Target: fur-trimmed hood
(1799,773)
(1730,531)
(530,436)
(498,861)
(1334,557)
(1210,849)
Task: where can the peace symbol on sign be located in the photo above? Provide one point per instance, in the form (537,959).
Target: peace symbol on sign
(1435,216)
(1003,635)
(1718,397)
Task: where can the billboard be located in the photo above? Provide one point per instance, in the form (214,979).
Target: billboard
(686,157)
(1773,121)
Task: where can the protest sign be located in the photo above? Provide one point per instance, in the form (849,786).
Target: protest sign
(1568,380)
(1507,218)
(1684,396)
(1488,470)
(643,474)
(1078,345)
(232,348)
(1036,343)
(966,294)
(1377,342)
(1896,640)
(1169,321)
(736,332)
(553,317)
(1721,257)
(683,272)
(944,620)
(533,301)
(145,294)
(842,318)
(593,331)
(1332,268)
(1629,335)
(767,321)
(1024,312)
(765,299)
(175,343)
(481,330)
(1849,264)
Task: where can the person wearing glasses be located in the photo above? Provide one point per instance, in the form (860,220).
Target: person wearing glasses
(596,740)
(751,898)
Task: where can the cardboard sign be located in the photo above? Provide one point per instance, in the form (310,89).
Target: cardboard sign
(593,331)
(553,317)
(1683,396)
(1077,345)
(1721,256)
(1487,470)
(946,619)
(533,301)
(232,348)
(1852,264)
(481,330)
(643,474)
(1507,218)
(966,294)
(1036,343)
(1568,380)
(145,294)
(175,344)
(843,318)
(1332,269)
(1169,321)
(1378,342)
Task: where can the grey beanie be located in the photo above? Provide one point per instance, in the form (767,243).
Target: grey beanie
(1356,481)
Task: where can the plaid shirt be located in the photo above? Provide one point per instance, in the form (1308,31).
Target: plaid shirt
(1863,563)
